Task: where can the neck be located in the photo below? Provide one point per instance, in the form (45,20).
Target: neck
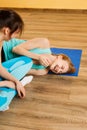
(52,58)
(1,39)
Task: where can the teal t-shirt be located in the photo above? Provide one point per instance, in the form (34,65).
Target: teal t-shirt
(8,46)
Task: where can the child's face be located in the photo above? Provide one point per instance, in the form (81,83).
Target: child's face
(59,66)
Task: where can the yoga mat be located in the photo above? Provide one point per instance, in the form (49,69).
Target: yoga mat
(75,56)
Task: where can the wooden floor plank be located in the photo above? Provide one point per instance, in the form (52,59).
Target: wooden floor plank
(53,102)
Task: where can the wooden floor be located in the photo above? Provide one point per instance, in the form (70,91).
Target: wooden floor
(53,102)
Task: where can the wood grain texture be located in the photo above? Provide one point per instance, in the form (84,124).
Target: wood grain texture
(45,4)
(53,102)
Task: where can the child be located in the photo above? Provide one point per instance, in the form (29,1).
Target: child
(39,50)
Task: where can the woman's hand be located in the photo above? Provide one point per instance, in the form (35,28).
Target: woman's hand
(20,89)
(15,85)
(44,60)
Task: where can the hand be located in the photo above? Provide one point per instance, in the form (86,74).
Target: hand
(20,89)
(44,60)
(15,85)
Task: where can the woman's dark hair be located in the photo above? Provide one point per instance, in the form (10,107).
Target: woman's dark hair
(12,20)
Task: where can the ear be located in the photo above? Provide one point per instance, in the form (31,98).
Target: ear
(6,30)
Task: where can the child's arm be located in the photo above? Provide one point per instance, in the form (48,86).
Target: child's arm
(38,72)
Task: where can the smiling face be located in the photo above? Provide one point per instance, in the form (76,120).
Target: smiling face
(59,66)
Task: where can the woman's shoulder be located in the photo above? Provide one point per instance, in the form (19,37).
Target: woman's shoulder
(14,41)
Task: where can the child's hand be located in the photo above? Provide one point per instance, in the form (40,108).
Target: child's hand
(44,60)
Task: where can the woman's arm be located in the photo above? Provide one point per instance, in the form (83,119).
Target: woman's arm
(23,49)
(35,43)
(10,84)
(11,80)
(7,83)
(6,75)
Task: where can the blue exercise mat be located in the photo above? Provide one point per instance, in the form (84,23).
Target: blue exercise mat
(75,56)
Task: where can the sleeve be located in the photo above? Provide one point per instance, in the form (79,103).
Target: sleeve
(8,46)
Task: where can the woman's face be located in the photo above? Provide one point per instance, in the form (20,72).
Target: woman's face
(8,36)
(59,66)
(15,34)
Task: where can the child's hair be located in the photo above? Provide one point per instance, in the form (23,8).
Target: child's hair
(12,20)
(71,66)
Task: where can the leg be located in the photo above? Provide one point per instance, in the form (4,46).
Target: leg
(18,67)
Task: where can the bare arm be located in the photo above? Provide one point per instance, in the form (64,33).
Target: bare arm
(23,49)
(35,43)
(10,84)
(10,80)
(38,72)
(7,83)
(4,73)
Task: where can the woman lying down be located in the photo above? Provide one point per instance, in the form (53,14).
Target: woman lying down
(38,50)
